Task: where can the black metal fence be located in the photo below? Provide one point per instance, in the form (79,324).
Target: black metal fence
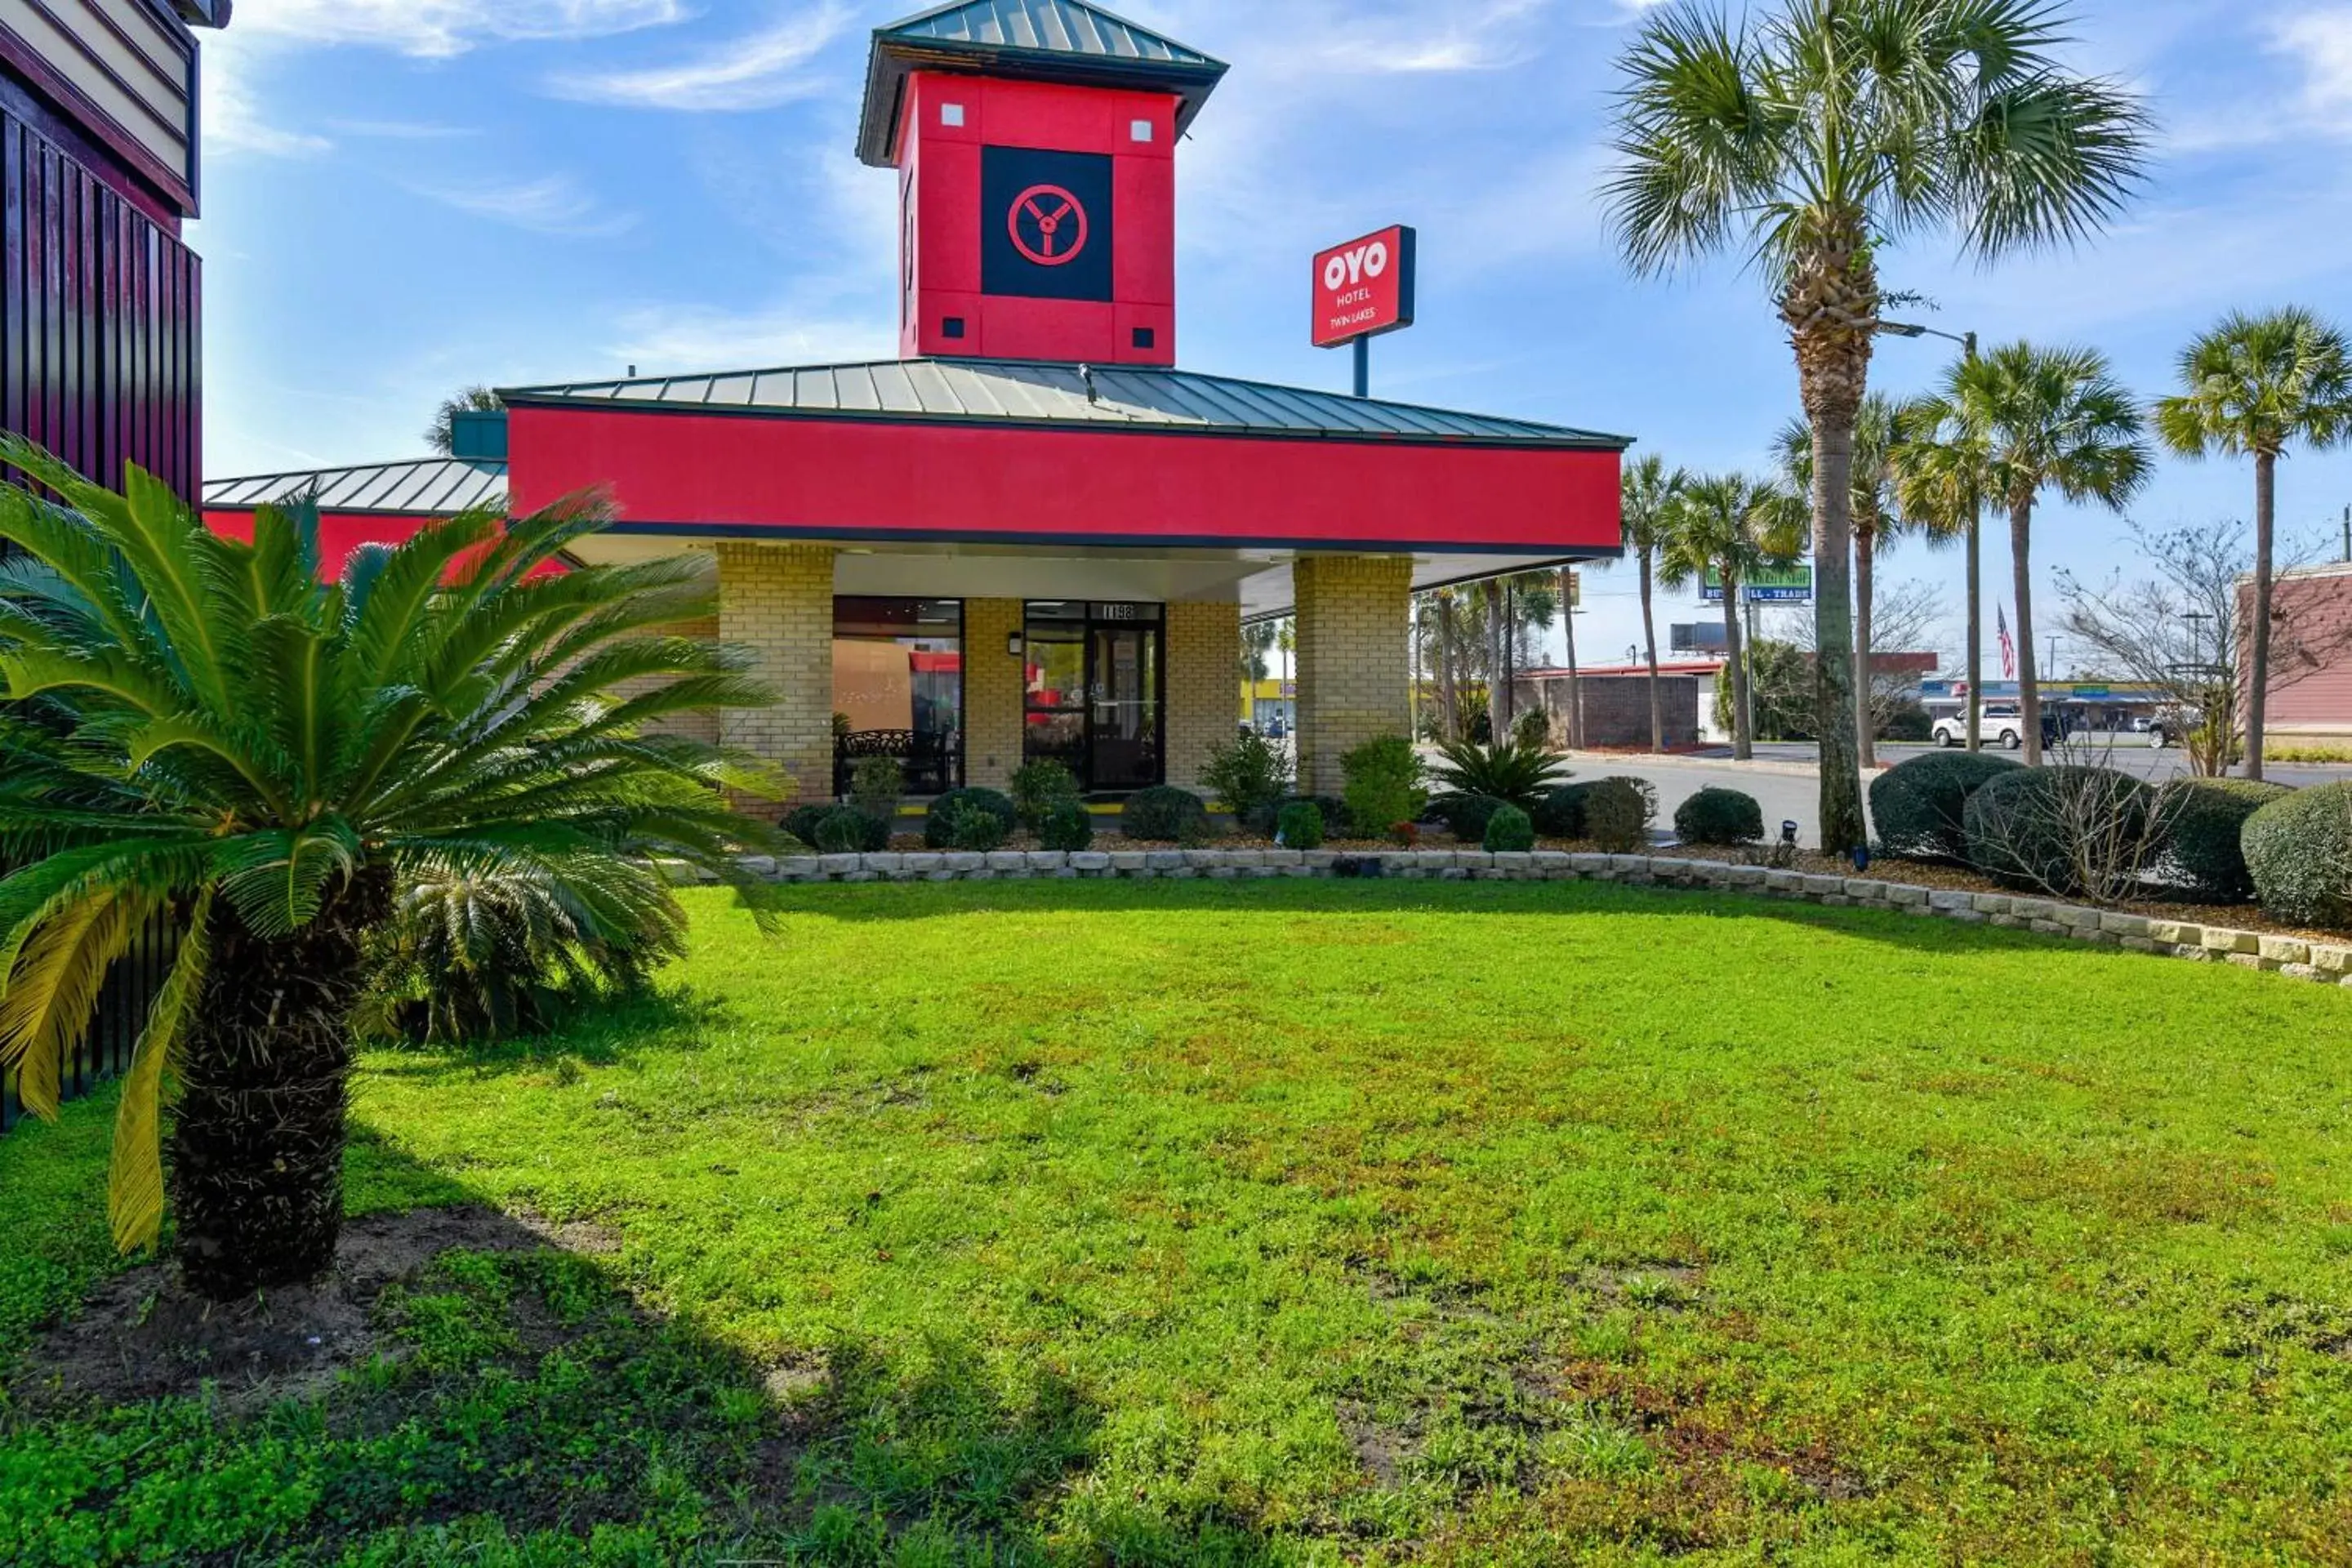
(122,1005)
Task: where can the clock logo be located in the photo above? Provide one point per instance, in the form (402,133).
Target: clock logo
(1048,225)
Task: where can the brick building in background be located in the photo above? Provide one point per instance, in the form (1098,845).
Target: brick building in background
(2309,704)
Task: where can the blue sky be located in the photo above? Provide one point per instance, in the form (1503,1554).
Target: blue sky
(403,196)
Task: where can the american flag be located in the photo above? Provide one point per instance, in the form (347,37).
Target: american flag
(2008,645)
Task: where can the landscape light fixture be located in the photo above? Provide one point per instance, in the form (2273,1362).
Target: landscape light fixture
(1789,834)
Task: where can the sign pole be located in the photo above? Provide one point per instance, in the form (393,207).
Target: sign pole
(1363,367)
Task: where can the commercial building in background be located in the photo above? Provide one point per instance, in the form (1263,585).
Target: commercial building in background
(101,302)
(1031,535)
(1616,702)
(2309,705)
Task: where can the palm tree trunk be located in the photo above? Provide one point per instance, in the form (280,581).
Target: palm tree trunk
(258,1145)
(1834,718)
(1575,691)
(2258,683)
(1743,742)
(1449,706)
(1974,712)
(1650,641)
(2020,546)
(1865,548)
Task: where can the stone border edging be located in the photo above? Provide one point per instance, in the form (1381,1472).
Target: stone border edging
(2293,956)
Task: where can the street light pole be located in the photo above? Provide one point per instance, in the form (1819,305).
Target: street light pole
(1967,342)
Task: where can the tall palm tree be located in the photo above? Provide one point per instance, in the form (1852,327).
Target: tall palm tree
(2046,419)
(1730,525)
(1814,136)
(1649,490)
(1876,520)
(204,731)
(2254,385)
(1941,478)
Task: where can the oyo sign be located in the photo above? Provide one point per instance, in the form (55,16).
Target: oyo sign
(1364,287)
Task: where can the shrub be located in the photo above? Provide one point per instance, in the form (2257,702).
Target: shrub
(1917,805)
(1560,813)
(874,785)
(973,826)
(2299,852)
(1250,774)
(1643,788)
(1384,785)
(1519,772)
(1300,826)
(1907,721)
(1716,816)
(845,830)
(939,828)
(1466,815)
(2205,822)
(1067,827)
(1165,814)
(2069,831)
(1038,788)
(1532,728)
(802,822)
(1508,831)
(1616,816)
(1334,812)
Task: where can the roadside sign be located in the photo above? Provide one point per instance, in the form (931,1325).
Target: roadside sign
(1768,585)
(1364,287)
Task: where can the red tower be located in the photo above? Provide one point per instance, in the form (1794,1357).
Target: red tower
(1035,145)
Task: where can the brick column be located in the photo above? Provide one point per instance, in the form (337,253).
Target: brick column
(993,685)
(1355,664)
(778,599)
(1203,650)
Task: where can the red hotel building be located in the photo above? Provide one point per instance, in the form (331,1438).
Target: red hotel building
(1030,535)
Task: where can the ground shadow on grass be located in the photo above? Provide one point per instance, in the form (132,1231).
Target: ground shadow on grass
(669,1020)
(471,1387)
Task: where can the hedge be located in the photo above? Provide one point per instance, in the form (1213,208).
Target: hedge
(2299,852)
(1507,831)
(845,830)
(1919,806)
(939,828)
(1164,814)
(2017,831)
(1617,815)
(1468,814)
(1067,826)
(1299,825)
(1560,813)
(2205,820)
(1722,817)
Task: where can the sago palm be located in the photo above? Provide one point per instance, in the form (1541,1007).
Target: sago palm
(204,733)
(2253,386)
(1733,526)
(1876,520)
(1648,491)
(2046,419)
(1941,478)
(1817,134)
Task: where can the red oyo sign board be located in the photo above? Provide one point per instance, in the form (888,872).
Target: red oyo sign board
(1364,287)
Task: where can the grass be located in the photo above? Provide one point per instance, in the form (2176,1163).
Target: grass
(1308,1223)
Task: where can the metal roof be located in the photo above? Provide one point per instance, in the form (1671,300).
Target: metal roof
(1017,392)
(1046,40)
(426,487)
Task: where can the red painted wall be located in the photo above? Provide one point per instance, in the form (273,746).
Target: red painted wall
(836,478)
(942,221)
(339,533)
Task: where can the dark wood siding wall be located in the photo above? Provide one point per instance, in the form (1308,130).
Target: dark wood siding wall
(99,346)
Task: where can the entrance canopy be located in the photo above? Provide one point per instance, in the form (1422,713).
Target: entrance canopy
(940,475)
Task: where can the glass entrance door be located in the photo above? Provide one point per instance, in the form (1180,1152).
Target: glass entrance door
(1095,699)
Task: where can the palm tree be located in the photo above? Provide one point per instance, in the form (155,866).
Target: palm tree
(1876,520)
(1730,525)
(206,732)
(442,434)
(2045,418)
(1941,478)
(1816,135)
(1649,489)
(2254,384)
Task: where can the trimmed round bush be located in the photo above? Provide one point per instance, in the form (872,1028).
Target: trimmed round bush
(1508,831)
(845,830)
(1560,813)
(1164,814)
(803,821)
(2299,852)
(1334,810)
(2019,831)
(1716,815)
(2204,822)
(974,828)
(1299,825)
(1647,791)
(1038,787)
(939,828)
(1067,827)
(1917,806)
(1616,815)
(1466,815)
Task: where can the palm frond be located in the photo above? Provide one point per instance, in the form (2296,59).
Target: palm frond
(134,1191)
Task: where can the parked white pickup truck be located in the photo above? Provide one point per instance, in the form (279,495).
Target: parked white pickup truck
(2001,724)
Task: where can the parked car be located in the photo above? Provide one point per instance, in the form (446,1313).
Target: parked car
(2001,724)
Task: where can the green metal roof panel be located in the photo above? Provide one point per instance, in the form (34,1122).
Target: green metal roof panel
(1026,393)
(1031,41)
(421,486)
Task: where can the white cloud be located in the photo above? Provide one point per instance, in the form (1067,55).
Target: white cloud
(441,28)
(2322,40)
(552,205)
(680,339)
(232,115)
(758,71)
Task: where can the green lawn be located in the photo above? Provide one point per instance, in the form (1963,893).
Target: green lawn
(1310,1223)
